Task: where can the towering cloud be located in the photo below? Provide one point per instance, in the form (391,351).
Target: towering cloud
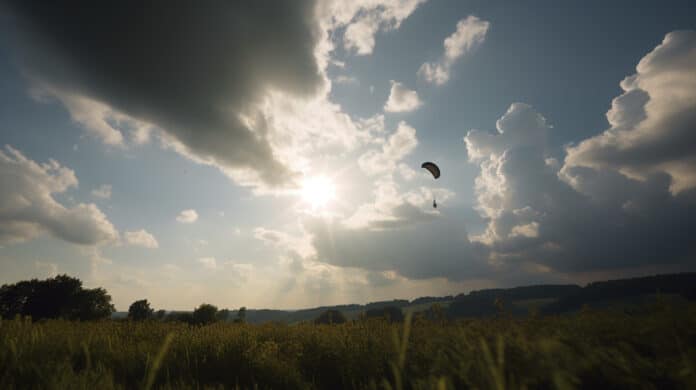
(471,32)
(653,121)
(606,207)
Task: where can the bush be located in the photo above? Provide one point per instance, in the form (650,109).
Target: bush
(205,314)
(140,310)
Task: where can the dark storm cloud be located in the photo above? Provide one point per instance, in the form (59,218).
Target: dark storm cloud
(190,68)
(616,223)
(442,251)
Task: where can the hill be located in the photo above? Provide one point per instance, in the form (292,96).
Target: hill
(516,301)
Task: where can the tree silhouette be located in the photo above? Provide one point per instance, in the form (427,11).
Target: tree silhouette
(140,310)
(223,315)
(58,297)
(241,315)
(205,314)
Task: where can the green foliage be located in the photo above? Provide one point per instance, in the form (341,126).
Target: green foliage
(205,314)
(140,310)
(222,315)
(58,297)
(241,315)
(655,348)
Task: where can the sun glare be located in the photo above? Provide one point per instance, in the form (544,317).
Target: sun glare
(318,191)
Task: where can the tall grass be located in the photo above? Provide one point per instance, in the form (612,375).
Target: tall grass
(591,349)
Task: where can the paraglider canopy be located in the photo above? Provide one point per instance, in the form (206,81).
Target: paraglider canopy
(435,171)
(432,168)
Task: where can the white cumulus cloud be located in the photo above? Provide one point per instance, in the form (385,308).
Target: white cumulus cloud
(187,216)
(401,143)
(401,99)
(364,18)
(28,207)
(470,33)
(140,238)
(652,122)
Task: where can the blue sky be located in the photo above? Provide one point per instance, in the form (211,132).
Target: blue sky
(289,176)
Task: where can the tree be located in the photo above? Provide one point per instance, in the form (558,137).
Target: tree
(160,314)
(223,315)
(93,304)
(204,314)
(330,317)
(58,297)
(241,315)
(140,310)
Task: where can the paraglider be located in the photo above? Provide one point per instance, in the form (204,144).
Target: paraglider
(435,171)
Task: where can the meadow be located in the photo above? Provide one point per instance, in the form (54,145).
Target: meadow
(655,348)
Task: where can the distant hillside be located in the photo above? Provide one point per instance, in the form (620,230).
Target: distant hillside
(292,316)
(517,300)
(557,299)
(546,299)
(598,293)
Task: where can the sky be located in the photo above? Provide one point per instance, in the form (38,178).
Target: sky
(268,154)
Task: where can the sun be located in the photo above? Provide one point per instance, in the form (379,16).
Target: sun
(318,191)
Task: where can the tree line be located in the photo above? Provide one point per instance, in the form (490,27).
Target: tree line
(64,297)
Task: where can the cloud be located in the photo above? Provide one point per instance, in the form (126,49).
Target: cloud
(392,209)
(470,34)
(28,207)
(187,216)
(208,262)
(652,122)
(343,79)
(209,107)
(400,144)
(103,192)
(401,99)
(571,217)
(438,249)
(245,113)
(293,246)
(99,120)
(140,238)
(364,18)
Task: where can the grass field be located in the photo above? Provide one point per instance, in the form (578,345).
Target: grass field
(590,349)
